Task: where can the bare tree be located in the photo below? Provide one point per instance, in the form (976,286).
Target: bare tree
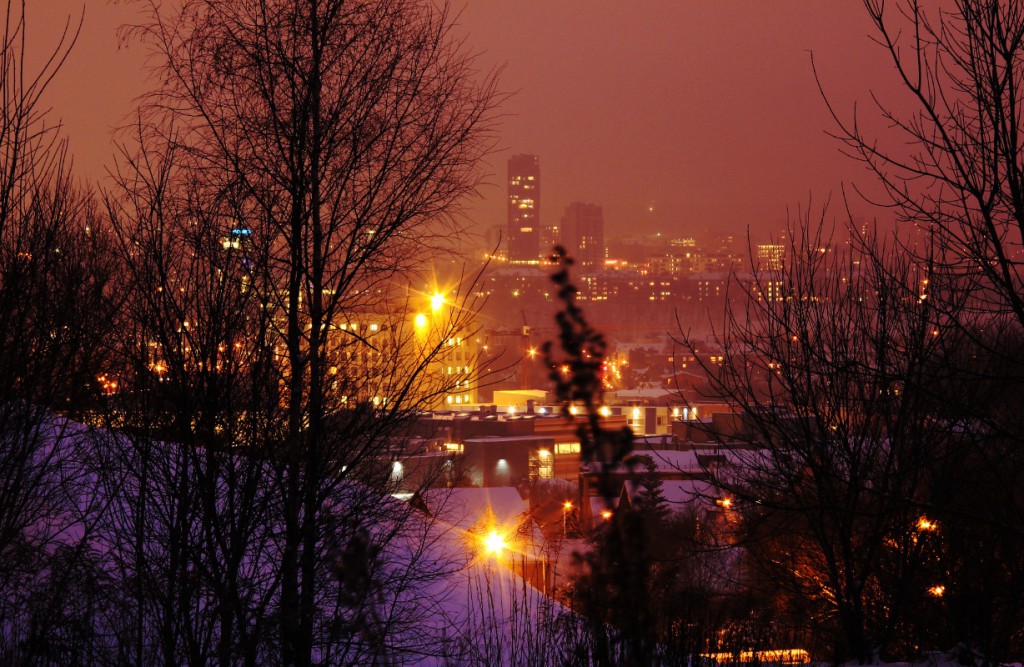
(950,166)
(54,270)
(829,366)
(314,152)
(950,162)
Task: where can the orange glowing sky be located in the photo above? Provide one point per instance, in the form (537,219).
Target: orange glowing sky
(707,112)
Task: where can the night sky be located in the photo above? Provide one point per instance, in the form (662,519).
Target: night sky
(675,116)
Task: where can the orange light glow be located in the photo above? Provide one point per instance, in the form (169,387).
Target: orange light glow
(494,543)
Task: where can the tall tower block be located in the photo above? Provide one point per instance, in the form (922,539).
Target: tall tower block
(583,234)
(524,208)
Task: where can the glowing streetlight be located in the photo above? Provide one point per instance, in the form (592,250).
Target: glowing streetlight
(420,321)
(494,543)
(436,301)
(566,507)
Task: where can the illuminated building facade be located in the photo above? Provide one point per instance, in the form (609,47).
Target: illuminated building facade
(415,357)
(583,234)
(770,256)
(550,236)
(524,231)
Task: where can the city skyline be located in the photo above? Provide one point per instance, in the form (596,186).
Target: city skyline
(672,117)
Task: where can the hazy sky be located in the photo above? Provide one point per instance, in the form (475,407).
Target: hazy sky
(706,111)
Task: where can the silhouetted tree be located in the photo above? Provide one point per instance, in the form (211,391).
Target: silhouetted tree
(279,189)
(826,359)
(54,270)
(613,589)
(949,161)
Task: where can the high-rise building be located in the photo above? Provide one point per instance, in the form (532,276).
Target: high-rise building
(583,234)
(550,236)
(770,256)
(524,208)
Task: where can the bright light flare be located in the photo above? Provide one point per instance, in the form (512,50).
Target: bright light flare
(937,591)
(436,301)
(494,543)
(420,321)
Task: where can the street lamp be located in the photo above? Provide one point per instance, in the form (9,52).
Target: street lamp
(494,543)
(565,511)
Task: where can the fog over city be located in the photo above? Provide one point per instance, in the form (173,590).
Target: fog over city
(708,114)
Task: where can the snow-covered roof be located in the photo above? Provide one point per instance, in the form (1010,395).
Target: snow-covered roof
(458,606)
(670,460)
(478,510)
(680,494)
